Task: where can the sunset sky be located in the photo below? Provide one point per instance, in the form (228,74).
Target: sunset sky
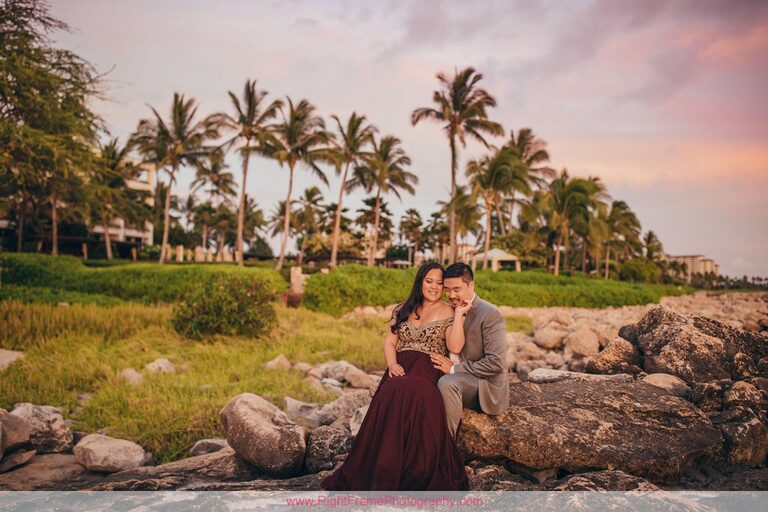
(665,101)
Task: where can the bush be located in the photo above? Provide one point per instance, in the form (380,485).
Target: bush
(350,286)
(147,282)
(231,305)
(639,271)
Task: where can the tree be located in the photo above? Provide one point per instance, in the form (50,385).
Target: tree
(384,171)
(307,217)
(109,192)
(653,247)
(250,122)
(461,107)
(623,227)
(47,129)
(349,149)
(489,178)
(567,198)
(299,138)
(203,219)
(173,144)
(532,153)
(211,171)
(411,227)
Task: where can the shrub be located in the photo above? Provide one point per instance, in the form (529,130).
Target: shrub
(351,286)
(639,271)
(147,282)
(231,305)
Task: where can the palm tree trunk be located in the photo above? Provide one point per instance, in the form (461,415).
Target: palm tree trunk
(337,219)
(512,211)
(107,241)
(302,248)
(410,254)
(375,237)
(20,232)
(205,237)
(488,213)
(241,210)
(54,228)
(500,218)
(557,255)
(452,207)
(607,258)
(286,220)
(584,256)
(166,217)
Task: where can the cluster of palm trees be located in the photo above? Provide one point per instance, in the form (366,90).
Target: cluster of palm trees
(289,132)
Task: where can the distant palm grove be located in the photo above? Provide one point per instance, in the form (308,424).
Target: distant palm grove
(64,180)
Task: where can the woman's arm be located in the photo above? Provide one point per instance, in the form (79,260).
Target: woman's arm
(454,334)
(390,353)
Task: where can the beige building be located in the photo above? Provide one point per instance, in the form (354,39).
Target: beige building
(695,263)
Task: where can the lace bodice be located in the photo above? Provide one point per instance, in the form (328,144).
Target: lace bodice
(430,337)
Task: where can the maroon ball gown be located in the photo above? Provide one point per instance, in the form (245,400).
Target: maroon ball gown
(404,443)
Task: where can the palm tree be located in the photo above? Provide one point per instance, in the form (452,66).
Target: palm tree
(468,214)
(350,150)
(491,176)
(174,144)
(203,218)
(437,234)
(532,152)
(299,137)
(623,227)
(653,247)
(307,216)
(411,229)
(384,170)
(212,171)
(111,195)
(461,108)
(568,197)
(250,123)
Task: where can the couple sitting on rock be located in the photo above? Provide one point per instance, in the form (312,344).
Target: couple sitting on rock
(440,358)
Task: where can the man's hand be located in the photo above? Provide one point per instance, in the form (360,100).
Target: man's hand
(441,362)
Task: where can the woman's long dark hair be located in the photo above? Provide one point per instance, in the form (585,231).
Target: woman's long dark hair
(416,298)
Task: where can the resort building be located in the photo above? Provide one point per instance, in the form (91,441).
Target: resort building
(695,264)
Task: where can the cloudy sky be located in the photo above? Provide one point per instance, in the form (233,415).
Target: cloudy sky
(663,100)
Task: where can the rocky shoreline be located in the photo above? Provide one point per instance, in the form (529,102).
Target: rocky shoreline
(671,396)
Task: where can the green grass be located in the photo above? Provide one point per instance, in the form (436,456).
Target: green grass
(520,323)
(82,348)
(38,294)
(146,282)
(350,286)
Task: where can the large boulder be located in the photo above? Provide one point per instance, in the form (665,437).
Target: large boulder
(107,454)
(345,405)
(263,435)
(587,425)
(695,348)
(49,472)
(323,445)
(619,356)
(14,431)
(220,466)
(48,432)
(550,337)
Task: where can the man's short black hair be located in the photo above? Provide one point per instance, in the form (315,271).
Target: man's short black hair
(461,270)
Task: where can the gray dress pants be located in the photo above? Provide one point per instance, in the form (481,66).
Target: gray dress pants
(459,390)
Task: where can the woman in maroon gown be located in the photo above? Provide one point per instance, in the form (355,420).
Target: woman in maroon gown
(404,443)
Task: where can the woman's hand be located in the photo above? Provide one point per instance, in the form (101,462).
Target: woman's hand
(395,370)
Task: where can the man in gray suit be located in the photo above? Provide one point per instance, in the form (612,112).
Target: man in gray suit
(478,379)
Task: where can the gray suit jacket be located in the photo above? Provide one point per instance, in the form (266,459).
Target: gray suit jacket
(485,355)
